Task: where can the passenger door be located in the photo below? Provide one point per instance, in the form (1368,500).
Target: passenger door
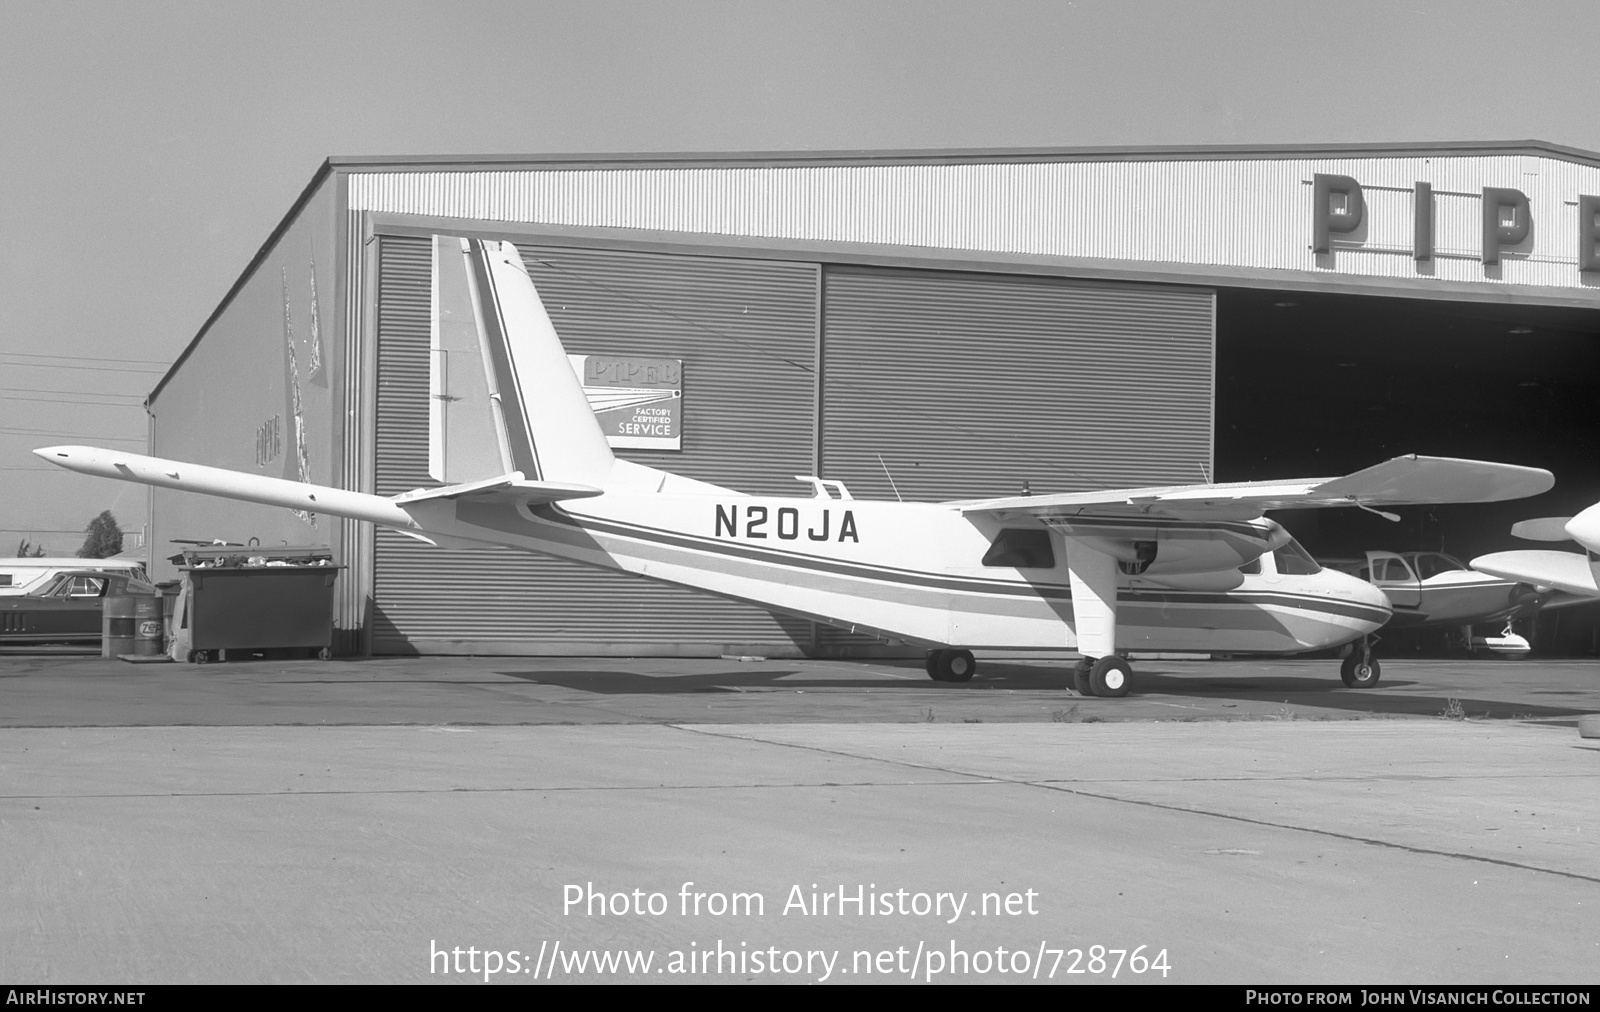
(1394,577)
(71,610)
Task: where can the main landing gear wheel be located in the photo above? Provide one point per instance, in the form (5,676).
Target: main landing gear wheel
(951,665)
(1360,670)
(1080,677)
(1111,676)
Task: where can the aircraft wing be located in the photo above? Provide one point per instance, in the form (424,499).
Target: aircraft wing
(1565,571)
(1403,481)
(1542,529)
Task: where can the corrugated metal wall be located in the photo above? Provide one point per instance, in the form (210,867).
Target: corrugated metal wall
(969,385)
(954,386)
(746,332)
(965,385)
(1226,212)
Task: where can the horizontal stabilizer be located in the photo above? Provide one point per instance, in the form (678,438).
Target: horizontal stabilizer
(510,488)
(1542,529)
(1403,481)
(1566,571)
(182,476)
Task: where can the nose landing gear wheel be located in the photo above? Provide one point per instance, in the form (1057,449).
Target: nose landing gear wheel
(952,665)
(1111,676)
(1360,670)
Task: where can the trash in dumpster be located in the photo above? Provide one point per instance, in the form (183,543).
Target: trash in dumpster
(243,599)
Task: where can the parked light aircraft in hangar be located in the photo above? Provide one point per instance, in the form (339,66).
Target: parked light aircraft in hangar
(1099,572)
(1572,573)
(1435,590)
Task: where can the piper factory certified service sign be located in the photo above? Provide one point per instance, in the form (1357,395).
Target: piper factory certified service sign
(638,401)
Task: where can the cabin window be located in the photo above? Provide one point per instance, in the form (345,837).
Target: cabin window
(1020,548)
(5,579)
(1394,571)
(1434,563)
(1293,560)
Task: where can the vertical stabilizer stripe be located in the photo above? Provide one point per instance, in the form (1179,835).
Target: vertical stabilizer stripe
(524,454)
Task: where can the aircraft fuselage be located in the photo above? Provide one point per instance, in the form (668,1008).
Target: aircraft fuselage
(915,572)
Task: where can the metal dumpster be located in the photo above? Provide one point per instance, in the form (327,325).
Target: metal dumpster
(238,599)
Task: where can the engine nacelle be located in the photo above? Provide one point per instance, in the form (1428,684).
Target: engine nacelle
(1173,547)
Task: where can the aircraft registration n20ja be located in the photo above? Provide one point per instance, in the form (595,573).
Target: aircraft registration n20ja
(1191,567)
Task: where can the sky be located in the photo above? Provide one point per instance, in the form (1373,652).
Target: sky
(147,149)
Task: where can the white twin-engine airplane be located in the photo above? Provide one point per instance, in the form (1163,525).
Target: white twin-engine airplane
(1191,568)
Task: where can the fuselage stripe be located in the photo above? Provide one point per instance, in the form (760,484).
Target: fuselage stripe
(969,585)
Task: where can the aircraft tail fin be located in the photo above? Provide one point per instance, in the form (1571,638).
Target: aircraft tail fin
(516,377)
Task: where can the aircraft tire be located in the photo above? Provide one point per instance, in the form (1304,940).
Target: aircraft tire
(1111,676)
(1080,677)
(956,666)
(1360,671)
(930,663)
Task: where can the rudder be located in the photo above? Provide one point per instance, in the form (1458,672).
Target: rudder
(543,422)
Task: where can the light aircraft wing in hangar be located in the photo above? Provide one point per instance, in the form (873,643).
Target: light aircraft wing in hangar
(1569,572)
(1170,568)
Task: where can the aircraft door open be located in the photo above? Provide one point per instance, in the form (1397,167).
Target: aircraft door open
(1394,577)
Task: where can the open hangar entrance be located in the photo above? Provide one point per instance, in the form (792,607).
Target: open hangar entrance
(1312,383)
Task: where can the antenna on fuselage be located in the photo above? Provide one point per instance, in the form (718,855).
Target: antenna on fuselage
(886,474)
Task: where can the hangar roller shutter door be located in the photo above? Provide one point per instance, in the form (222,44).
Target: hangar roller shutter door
(967,386)
(746,332)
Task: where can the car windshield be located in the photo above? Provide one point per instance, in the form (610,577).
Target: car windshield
(1293,560)
(1433,563)
(70,585)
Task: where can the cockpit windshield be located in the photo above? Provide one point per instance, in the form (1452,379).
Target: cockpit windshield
(1433,563)
(1293,560)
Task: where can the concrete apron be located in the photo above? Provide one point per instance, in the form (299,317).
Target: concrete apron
(1291,851)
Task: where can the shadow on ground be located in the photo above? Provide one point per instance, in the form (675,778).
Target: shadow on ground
(1312,692)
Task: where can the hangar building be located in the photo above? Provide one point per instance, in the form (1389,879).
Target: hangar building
(928,325)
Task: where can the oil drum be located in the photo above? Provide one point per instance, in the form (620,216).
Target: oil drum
(117,625)
(147,638)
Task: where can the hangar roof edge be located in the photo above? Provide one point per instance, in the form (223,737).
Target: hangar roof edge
(767,159)
(417,163)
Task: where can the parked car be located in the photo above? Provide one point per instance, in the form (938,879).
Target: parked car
(21,576)
(66,607)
